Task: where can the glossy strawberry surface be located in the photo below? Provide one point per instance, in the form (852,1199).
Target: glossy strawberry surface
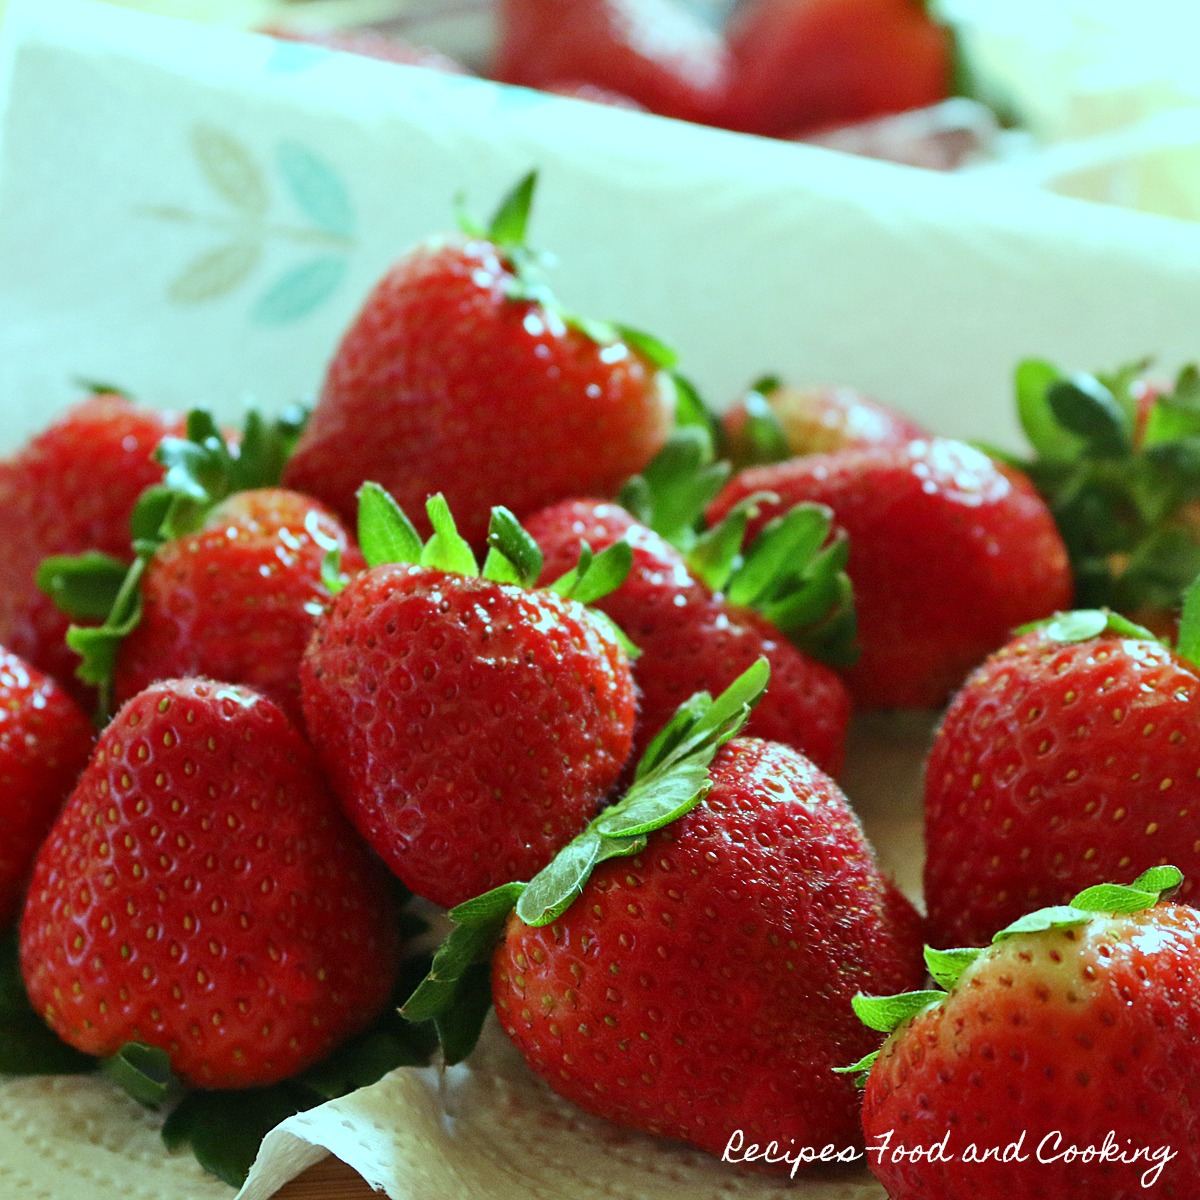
(948,554)
(1049,1048)
(692,640)
(237,601)
(443,383)
(72,488)
(202,892)
(798,65)
(1059,765)
(470,728)
(653,51)
(703,986)
(44,743)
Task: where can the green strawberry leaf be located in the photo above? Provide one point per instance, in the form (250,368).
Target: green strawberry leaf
(884,1013)
(508,539)
(225,1129)
(654,350)
(1085,407)
(1058,916)
(385,534)
(861,1069)
(1083,624)
(692,413)
(672,492)
(446,550)
(511,219)
(1033,381)
(143,1072)
(1165,881)
(761,439)
(596,576)
(84,586)
(1188,641)
(671,779)
(945,966)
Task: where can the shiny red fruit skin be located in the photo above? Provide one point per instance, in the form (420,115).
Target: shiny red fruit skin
(202,892)
(704,986)
(819,420)
(948,554)
(72,488)
(237,601)
(1058,766)
(652,51)
(1079,1032)
(44,743)
(693,641)
(469,728)
(445,384)
(799,65)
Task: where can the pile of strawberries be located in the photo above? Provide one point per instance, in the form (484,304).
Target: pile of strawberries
(780,68)
(513,624)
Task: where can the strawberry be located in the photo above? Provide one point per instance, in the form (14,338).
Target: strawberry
(1114,457)
(685,967)
(693,639)
(653,51)
(460,375)
(227,576)
(72,488)
(1066,758)
(386,47)
(948,553)
(773,421)
(237,600)
(798,65)
(1059,1062)
(469,723)
(201,893)
(45,741)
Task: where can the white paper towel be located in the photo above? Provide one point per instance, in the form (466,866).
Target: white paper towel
(195,213)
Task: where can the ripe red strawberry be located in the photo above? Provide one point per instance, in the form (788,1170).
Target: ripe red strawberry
(797,65)
(699,982)
(692,639)
(461,376)
(72,488)
(369,43)
(1069,757)
(653,51)
(469,724)
(202,893)
(1068,1049)
(44,742)
(948,553)
(237,600)
(773,421)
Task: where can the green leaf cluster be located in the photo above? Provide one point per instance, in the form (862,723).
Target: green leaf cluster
(202,470)
(887,1013)
(1118,482)
(794,573)
(671,779)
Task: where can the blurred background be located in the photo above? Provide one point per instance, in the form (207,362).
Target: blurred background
(1098,99)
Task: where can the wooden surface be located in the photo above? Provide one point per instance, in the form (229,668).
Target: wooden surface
(328,1180)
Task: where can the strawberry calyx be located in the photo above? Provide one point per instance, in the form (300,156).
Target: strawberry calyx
(387,536)
(946,967)
(203,469)
(762,439)
(1118,463)
(671,779)
(793,573)
(507,232)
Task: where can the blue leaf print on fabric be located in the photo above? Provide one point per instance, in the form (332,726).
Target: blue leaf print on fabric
(300,290)
(316,188)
